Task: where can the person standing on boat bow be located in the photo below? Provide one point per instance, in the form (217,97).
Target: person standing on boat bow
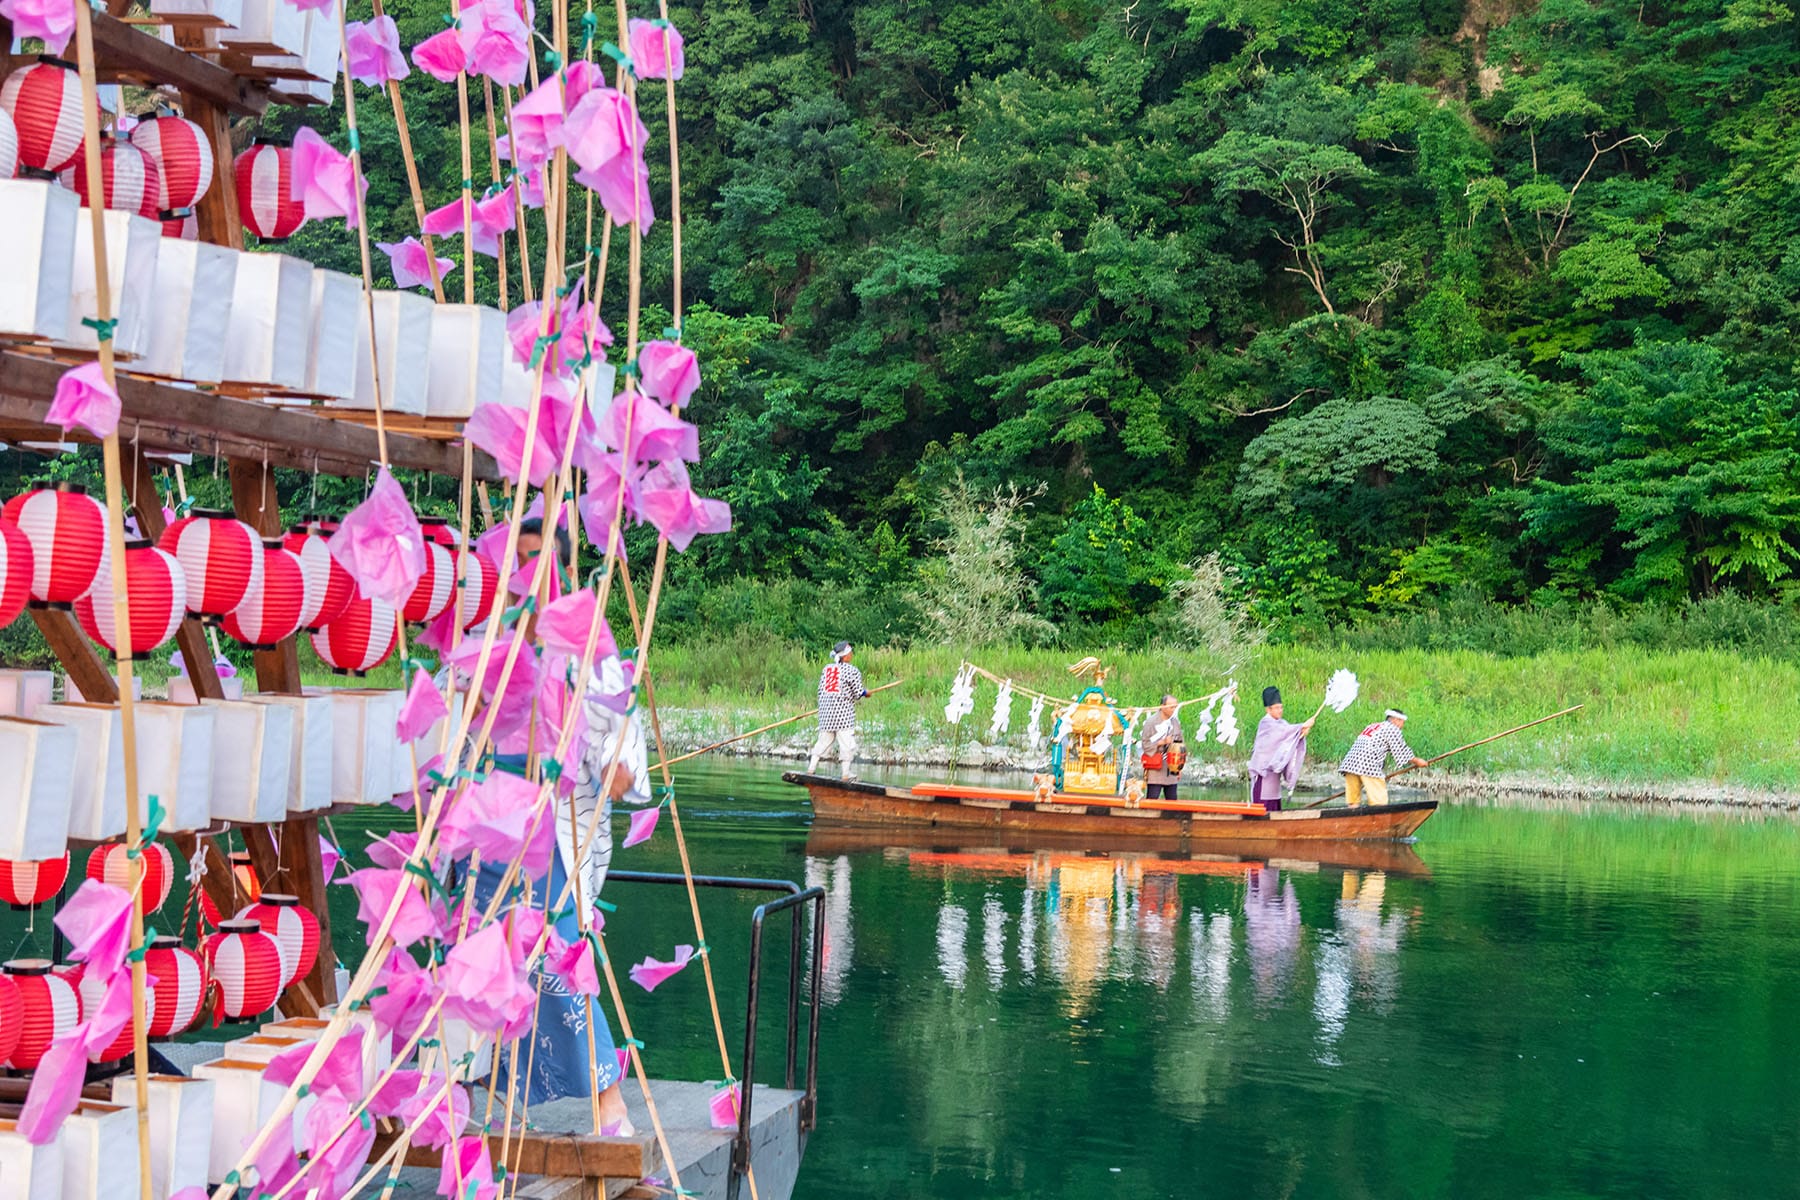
(1276,756)
(1365,768)
(1165,751)
(840,690)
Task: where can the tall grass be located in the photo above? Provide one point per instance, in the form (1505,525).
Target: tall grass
(1685,717)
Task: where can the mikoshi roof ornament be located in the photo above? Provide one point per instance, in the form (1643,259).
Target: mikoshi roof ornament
(222,556)
(44,101)
(329,588)
(361,639)
(156,594)
(25,883)
(264,178)
(243,967)
(184,162)
(271,610)
(67,531)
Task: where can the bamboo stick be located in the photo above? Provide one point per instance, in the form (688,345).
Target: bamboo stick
(759,729)
(1449,753)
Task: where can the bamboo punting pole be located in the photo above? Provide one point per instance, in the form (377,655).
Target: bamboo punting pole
(1451,753)
(759,729)
(115,530)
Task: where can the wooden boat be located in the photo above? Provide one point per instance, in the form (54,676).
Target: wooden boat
(1096,817)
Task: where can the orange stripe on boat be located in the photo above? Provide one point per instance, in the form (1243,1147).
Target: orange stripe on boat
(960,791)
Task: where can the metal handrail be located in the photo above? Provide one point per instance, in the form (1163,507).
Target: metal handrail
(795,898)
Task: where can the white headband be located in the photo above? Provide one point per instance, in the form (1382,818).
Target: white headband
(1394,712)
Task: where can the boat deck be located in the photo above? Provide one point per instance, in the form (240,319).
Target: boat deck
(1010,810)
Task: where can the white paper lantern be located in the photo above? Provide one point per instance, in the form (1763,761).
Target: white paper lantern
(27,1170)
(271,322)
(309,760)
(363,744)
(253,751)
(132,244)
(402,350)
(337,321)
(181,1119)
(260,1047)
(37,244)
(321,54)
(37,788)
(181,689)
(468,350)
(243,1101)
(22,692)
(175,748)
(192,313)
(100,1152)
(97,807)
(72,692)
(266,27)
(202,13)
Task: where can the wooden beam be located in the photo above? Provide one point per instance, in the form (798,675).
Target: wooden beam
(77,655)
(125,52)
(160,416)
(216,216)
(562,1155)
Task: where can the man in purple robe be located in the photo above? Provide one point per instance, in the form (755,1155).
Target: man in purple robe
(1279,750)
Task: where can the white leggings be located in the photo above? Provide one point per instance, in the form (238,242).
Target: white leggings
(846,740)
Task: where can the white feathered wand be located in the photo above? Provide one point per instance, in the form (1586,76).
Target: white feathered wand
(1340,693)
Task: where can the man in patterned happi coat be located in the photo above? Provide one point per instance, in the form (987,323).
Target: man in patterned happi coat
(840,690)
(1365,768)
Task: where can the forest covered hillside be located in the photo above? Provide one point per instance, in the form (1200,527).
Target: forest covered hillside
(1384,301)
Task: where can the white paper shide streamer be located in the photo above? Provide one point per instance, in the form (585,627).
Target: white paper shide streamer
(997,724)
(1341,691)
(962,695)
(1034,722)
(1228,726)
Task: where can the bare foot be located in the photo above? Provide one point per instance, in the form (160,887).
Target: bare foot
(615,1120)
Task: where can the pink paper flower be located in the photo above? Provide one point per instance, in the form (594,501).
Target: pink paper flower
(668,371)
(483,985)
(725,1106)
(564,625)
(341,1072)
(623,186)
(84,398)
(393,850)
(329,857)
(647,432)
(495,41)
(667,501)
(56,1085)
(489,217)
(643,824)
(472,1164)
(424,708)
(576,326)
(572,963)
(332,1169)
(97,922)
(375,891)
(380,544)
(650,973)
(500,430)
(440,56)
(51,20)
(409,1093)
(410,263)
(601,126)
(373,52)
(324,180)
(656,51)
(600,502)
(501,816)
(401,998)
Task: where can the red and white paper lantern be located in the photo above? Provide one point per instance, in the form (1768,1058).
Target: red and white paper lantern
(359,640)
(475,590)
(67,531)
(128,179)
(264,177)
(294,928)
(44,101)
(329,588)
(52,1008)
(91,990)
(184,163)
(432,594)
(111,864)
(271,610)
(222,556)
(24,884)
(439,530)
(15,571)
(180,987)
(12,1017)
(244,966)
(155,593)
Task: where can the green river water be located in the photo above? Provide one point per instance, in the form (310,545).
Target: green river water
(1527,1003)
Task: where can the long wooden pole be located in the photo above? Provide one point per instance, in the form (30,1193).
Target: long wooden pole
(759,729)
(1470,746)
(104,313)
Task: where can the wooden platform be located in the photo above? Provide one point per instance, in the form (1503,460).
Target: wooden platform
(1102,818)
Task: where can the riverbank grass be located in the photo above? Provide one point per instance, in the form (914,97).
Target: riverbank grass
(1707,717)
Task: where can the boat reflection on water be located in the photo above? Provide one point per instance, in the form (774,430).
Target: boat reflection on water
(1086,917)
